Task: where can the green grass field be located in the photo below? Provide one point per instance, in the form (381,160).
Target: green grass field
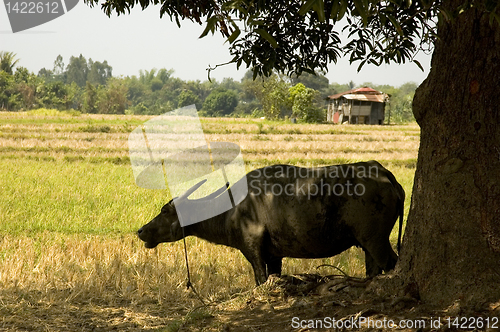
(69,210)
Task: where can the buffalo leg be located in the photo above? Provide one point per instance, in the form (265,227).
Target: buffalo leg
(381,256)
(259,267)
(388,259)
(372,269)
(392,260)
(274,266)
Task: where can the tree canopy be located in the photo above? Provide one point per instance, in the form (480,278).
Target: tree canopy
(296,36)
(8,61)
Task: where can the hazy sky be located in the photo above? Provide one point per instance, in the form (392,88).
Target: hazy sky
(142,40)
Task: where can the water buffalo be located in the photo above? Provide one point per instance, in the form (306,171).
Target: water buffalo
(301,213)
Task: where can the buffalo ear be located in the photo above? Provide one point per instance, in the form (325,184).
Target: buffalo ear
(176,230)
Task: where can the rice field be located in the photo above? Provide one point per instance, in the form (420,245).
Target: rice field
(69,210)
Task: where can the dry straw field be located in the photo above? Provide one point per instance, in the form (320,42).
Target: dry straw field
(69,208)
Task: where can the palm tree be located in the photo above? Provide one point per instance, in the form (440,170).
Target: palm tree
(8,61)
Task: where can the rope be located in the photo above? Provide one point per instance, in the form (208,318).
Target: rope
(188,283)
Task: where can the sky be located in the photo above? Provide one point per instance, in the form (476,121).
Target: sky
(143,41)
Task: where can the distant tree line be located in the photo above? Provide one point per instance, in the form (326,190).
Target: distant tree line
(89,87)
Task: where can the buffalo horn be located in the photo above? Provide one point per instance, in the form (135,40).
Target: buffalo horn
(191,190)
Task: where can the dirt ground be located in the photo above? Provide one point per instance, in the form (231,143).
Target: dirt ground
(297,303)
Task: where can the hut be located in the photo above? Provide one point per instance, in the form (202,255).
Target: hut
(358,106)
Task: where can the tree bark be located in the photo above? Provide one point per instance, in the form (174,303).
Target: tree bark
(451,247)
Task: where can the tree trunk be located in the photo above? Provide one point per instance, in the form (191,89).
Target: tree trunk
(451,247)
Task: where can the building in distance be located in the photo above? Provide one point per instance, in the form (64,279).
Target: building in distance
(358,106)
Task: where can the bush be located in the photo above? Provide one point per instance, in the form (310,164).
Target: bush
(258,113)
(220,102)
(139,109)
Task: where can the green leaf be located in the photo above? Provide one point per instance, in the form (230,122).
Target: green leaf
(264,34)
(335,10)
(306,7)
(361,65)
(234,5)
(419,65)
(395,23)
(494,16)
(319,8)
(211,23)
(362,11)
(342,11)
(234,35)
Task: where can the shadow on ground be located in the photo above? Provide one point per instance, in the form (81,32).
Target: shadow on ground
(290,303)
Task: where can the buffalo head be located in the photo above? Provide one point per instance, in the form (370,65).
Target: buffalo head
(165,227)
